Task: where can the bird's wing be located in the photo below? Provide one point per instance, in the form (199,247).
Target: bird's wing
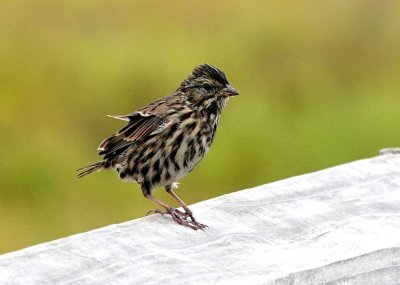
(151,119)
(121,117)
(139,126)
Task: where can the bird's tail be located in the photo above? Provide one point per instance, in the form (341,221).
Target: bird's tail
(83,171)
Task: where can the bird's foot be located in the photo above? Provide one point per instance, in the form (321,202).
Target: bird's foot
(188,214)
(182,218)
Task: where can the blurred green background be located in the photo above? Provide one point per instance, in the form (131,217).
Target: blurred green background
(319,84)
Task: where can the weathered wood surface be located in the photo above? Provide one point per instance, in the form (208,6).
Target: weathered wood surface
(336,226)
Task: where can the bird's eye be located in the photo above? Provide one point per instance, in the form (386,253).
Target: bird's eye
(207,87)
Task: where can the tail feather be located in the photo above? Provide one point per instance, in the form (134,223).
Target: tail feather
(83,171)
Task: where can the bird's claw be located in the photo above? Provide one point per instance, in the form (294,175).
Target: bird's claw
(155,211)
(182,218)
(189,214)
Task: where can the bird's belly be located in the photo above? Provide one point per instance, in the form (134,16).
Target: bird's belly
(168,164)
(184,162)
(176,168)
(187,165)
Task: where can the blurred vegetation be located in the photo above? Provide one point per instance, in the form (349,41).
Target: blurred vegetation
(319,84)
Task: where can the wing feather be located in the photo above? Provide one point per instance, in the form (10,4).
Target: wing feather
(149,120)
(138,127)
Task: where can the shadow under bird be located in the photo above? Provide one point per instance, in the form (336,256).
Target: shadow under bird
(165,140)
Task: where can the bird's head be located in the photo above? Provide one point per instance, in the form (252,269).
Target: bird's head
(207,84)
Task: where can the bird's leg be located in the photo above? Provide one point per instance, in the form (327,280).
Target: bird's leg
(188,212)
(175,213)
(163,205)
(159,202)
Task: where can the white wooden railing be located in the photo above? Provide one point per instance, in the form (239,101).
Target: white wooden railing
(339,225)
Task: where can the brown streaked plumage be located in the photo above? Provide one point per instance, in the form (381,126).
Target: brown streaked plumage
(166,139)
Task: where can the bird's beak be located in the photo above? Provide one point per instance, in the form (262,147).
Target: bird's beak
(229,91)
